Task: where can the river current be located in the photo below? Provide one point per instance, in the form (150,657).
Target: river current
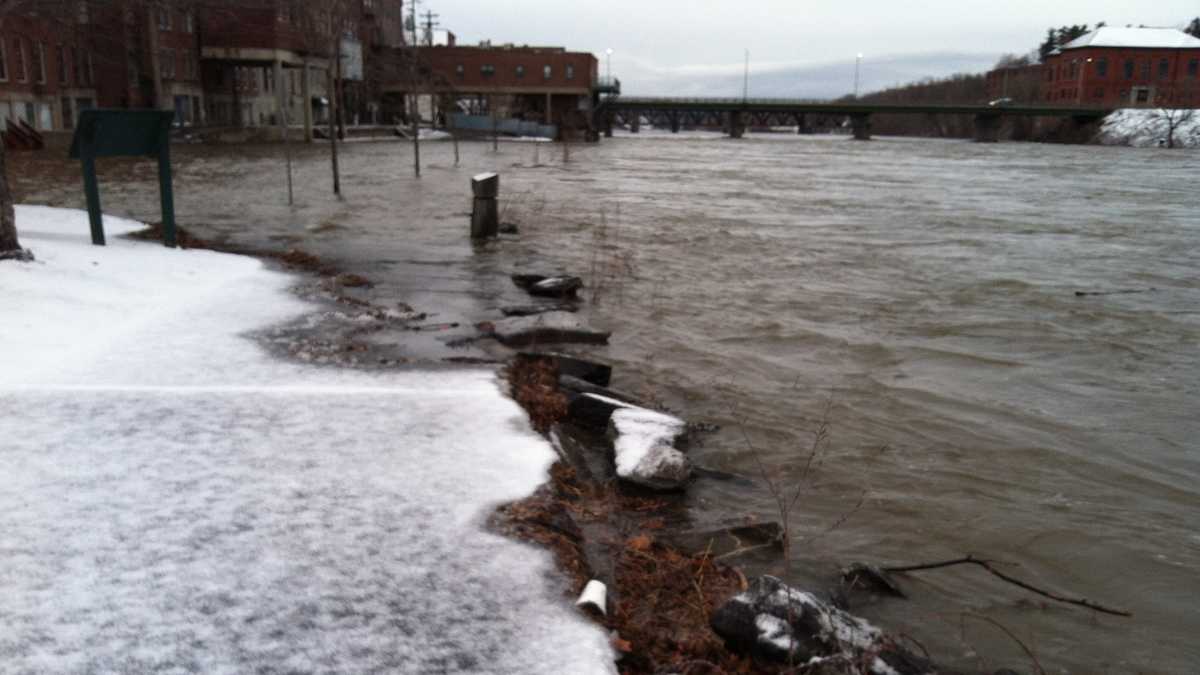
(920,296)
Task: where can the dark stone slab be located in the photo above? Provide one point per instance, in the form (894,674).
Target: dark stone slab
(863,577)
(591,412)
(530,310)
(549,328)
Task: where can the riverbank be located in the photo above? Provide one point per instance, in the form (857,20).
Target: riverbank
(175,498)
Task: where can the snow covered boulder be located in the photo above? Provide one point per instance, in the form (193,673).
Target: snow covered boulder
(644,448)
(551,327)
(774,622)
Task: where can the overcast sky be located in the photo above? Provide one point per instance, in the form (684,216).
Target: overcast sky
(652,37)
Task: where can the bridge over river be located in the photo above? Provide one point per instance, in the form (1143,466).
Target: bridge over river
(735,114)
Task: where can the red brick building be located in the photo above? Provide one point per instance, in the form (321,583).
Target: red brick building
(1123,67)
(534,83)
(47,70)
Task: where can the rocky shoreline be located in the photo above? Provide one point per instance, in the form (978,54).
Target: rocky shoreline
(672,598)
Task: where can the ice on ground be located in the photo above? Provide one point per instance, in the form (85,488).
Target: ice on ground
(1147,127)
(175,500)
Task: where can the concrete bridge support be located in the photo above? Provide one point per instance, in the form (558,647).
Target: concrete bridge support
(635,124)
(674,117)
(735,125)
(608,123)
(861,124)
(987,128)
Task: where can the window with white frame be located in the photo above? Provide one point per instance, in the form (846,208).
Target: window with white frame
(19,60)
(3,62)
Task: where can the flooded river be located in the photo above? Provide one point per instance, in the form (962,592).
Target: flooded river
(921,292)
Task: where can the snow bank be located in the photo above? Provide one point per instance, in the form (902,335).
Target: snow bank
(175,500)
(644,446)
(1144,128)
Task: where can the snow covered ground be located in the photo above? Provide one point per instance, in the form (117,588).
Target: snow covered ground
(174,500)
(1146,128)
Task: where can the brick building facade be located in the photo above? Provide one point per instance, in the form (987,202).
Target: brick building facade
(47,70)
(1123,67)
(217,62)
(534,83)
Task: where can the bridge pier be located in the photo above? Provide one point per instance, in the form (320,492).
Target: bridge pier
(608,124)
(987,128)
(861,124)
(635,124)
(734,124)
(674,116)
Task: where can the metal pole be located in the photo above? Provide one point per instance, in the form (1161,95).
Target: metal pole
(746,79)
(166,194)
(281,95)
(857,64)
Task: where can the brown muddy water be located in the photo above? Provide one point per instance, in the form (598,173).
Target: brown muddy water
(926,290)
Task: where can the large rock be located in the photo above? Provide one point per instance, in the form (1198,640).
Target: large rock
(773,622)
(549,286)
(556,287)
(552,327)
(644,448)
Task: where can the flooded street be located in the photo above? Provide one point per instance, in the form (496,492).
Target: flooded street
(924,292)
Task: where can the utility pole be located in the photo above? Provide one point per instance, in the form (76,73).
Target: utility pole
(857,65)
(430,24)
(746,79)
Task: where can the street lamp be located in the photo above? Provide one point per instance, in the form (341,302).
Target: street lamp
(608,65)
(857,65)
(1079,88)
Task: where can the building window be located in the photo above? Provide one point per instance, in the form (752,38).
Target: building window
(1164,68)
(3,62)
(1129,69)
(487,70)
(64,74)
(570,71)
(1193,67)
(520,71)
(39,62)
(164,18)
(1146,69)
(1102,67)
(460,71)
(547,72)
(1143,94)
(82,12)
(189,22)
(19,58)
(166,66)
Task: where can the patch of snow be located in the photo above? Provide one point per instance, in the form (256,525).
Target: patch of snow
(1130,37)
(644,444)
(176,500)
(774,632)
(1147,127)
(434,135)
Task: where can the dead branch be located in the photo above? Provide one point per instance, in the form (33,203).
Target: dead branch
(989,566)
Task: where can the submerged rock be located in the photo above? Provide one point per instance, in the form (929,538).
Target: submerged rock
(552,327)
(530,310)
(556,287)
(774,622)
(728,542)
(644,448)
(864,577)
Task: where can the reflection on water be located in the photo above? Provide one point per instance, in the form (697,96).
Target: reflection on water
(928,288)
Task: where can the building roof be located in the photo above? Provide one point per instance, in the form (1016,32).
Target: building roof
(1152,38)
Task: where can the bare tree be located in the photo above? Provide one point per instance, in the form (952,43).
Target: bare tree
(1170,116)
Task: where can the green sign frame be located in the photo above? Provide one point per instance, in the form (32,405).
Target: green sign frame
(125,133)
